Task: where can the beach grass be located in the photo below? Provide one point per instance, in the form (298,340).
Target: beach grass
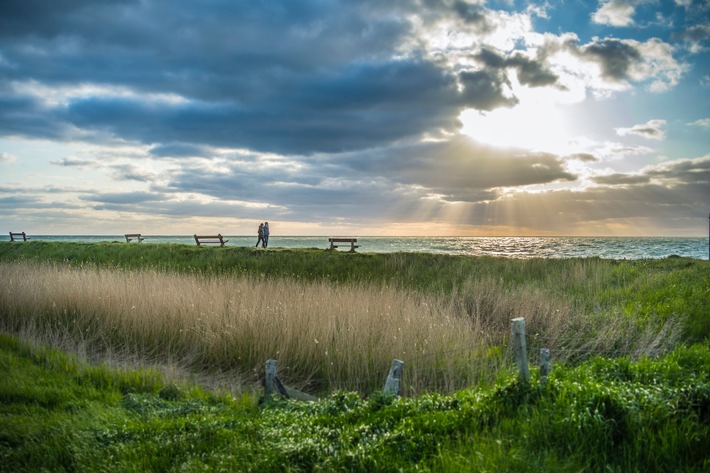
(120,357)
(336,320)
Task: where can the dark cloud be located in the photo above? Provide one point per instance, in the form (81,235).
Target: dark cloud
(473,14)
(614,56)
(124,197)
(24,116)
(653,129)
(176,150)
(694,36)
(131,172)
(74,162)
(457,170)
(530,72)
(293,77)
(30,17)
(460,167)
(621,179)
(487,89)
(584,157)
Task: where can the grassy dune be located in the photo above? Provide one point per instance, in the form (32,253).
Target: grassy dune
(336,321)
(57,414)
(630,389)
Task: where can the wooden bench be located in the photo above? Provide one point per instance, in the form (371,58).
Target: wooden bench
(210,239)
(352,242)
(131,236)
(18,236)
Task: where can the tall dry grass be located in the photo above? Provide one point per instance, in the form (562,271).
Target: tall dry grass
(324,336)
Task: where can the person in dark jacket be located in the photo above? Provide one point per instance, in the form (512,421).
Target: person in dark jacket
(266,234)
(261,235)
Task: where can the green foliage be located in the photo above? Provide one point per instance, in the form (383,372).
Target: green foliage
(603,415)
(600,414)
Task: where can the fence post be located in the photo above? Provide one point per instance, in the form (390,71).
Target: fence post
(518,329)
(394,377)
(270,379)
(544,364)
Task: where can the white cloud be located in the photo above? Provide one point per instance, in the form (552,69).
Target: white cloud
(7,158)
(652,129)
(615,13)
(703,122)
(657,64)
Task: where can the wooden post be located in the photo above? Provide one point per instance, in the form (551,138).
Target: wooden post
(518,329)
(270,379)
(394,377)
(544,364)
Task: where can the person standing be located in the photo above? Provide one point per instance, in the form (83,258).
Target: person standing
(266,234)
(261,235)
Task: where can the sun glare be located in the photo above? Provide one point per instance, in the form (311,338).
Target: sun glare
(538,123)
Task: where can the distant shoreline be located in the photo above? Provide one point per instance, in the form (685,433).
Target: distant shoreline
(512,247)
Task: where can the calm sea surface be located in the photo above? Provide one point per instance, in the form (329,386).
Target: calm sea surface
(512,247)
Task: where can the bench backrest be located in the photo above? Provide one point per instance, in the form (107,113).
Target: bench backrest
(131,236)
(214,239)
(342,240)
(17,236)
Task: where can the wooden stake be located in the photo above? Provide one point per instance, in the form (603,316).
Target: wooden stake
(518,329)
(394,377)
(544,364)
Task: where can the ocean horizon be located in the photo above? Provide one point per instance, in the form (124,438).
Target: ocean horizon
(617,247)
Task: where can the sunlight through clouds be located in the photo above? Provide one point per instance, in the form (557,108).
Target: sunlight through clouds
(464,117)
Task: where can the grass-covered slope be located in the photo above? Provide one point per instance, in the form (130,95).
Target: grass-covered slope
(336,320)
(57,414)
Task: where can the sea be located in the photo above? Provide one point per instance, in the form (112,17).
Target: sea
(509,247)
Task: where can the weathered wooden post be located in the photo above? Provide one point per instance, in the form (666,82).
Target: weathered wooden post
(544,364)
(270,379)
(518,329)
(394,377)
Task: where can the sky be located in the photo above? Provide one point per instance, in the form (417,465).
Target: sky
(344,117)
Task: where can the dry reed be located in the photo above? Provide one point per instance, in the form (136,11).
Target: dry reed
(328,337)
(324,337)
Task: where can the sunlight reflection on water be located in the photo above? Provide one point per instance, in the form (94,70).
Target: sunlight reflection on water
(511,247)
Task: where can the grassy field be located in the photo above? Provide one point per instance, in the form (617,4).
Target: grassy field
(629,342)
(57,414)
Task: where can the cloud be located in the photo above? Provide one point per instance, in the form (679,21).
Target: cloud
(703,122)
(124,197)
(334,111)
(529,71)
(7,158)
(615,57)
(653,129)
(615,13)
(584,157)
(74,162)
(620,179)
(695,37)
(293,78)
(363,184)
(178,150)
(131,172)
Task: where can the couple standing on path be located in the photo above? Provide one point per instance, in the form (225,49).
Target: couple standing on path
(263,235)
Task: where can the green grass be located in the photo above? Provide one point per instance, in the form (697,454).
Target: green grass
(57,414)
(229,309)
(644,406)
